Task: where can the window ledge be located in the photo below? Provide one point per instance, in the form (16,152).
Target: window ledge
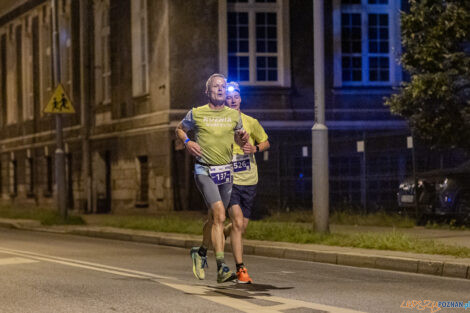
(274,90)
(363,90)
(140,97)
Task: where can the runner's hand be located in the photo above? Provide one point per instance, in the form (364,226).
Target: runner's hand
(193,148)
(248,148)
(242,137)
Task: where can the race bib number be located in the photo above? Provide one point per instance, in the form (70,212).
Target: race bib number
(221,174)
(241,162)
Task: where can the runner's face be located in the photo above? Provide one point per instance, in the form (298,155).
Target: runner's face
(217,90)
(233,100)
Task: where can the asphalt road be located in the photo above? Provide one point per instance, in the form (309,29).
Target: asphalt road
(43,272)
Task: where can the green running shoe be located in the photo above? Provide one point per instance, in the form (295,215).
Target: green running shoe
(225,274)
(199,262)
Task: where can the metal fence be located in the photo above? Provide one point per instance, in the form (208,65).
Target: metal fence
(364,180)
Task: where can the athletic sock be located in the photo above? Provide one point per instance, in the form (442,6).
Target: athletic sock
(219,258)
(239,266)
(202,251)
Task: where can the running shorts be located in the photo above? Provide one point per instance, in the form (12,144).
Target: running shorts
(212,192)
(244,196)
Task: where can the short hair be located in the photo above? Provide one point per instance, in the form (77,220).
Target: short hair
(209,80)
(235,86)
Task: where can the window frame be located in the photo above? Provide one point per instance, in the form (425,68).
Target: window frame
(281,8)
(27,68)
(102,52)
(11,75)
(140,52)
(46,83)
(65,46)
(3,76)
(392,9)
(13,176)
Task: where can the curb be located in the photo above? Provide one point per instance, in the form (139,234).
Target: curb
(400,264)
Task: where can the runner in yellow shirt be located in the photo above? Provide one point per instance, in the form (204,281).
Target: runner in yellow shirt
(245,180)
(217,128)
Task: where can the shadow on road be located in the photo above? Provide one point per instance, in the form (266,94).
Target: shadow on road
(244,291)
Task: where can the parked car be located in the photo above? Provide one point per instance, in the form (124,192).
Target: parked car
(443,192)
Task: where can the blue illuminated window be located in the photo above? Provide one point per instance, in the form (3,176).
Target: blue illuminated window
(238,46)
(351,47)
(255,42)
(378,47)
(369,42)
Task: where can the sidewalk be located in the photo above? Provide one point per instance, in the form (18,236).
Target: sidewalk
(439,265)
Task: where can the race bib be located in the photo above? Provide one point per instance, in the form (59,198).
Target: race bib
(221,174)
(241,162)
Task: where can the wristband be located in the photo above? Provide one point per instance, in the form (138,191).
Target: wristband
(186,141)
(257,148)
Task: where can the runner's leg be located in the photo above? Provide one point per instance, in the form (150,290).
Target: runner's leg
(236,216)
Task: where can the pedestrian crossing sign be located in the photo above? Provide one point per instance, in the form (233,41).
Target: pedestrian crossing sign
(60,102)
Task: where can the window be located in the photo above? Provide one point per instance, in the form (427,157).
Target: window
(46,63)
(3,78)
(139,47)
(19,71)
(28,93)
(13,178)
(254,43)
(36,99)
(29,175)
(11,65)
(65,42)
(366,43)
(48,190)
(1,178)
(102,53)
(144,181)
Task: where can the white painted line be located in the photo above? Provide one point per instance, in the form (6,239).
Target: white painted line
(15,260)
(221,296)
(84,264)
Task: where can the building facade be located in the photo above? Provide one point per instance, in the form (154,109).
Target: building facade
(134,68)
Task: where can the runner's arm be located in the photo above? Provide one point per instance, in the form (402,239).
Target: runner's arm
(240,136)
(259,136)
(249,148)
(181,133)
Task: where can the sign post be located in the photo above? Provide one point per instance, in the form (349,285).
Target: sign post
(58,105)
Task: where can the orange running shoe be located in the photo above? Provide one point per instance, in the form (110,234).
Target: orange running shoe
(243,277)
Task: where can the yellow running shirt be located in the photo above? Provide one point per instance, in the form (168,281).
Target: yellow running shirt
(242,175)
(214,131)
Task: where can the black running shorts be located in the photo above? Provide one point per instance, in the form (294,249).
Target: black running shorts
(244,196)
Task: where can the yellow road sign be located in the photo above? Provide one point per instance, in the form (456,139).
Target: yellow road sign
(60,102)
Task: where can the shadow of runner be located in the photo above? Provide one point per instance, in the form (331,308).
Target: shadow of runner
(244,291)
